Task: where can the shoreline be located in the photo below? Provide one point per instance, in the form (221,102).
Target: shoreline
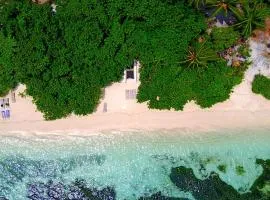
(194,121)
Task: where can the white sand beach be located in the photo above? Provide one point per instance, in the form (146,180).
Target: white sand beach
(243,110)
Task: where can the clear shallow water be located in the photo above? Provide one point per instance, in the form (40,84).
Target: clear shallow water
(134,163)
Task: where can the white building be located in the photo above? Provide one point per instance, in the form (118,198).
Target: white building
(132,74)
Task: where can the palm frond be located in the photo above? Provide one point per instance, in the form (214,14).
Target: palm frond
(253,16)
(199,55)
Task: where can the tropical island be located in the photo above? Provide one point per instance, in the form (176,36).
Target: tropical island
(67,54)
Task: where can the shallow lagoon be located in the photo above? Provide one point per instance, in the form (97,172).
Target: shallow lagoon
(134,163)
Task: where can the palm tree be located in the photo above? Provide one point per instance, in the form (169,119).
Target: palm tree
(197,3)
(224,6)
(198,55)
(252,16)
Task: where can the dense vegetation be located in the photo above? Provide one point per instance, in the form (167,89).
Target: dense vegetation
(249,14)
(261,85)
(224,38)
(7,78)
(176,86)
(201,76)
(66,58)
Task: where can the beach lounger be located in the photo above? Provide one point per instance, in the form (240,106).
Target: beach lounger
(8,114)
(6,103)
(131,94)
(3,114)
(13,97)
(105,107)
(2,104)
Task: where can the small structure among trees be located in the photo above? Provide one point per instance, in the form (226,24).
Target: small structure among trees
(132,73)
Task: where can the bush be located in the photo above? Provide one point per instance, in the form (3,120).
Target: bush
(200,75)
(175,86)
(7,74)
(224,37)
(261,85)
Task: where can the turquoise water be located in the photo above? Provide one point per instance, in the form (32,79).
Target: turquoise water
(134,163)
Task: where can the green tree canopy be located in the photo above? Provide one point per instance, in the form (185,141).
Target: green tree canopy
(7,74)
(65,59)
(261,85)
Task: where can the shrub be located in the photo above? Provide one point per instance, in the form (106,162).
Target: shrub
(224,37)
(176,85)
(7,74)
(261,85)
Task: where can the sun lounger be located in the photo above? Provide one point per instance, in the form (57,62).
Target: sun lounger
(2,104)
(6,103)
(13,97)
(7,113)
(105,107)
(131,94)
(3,114)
